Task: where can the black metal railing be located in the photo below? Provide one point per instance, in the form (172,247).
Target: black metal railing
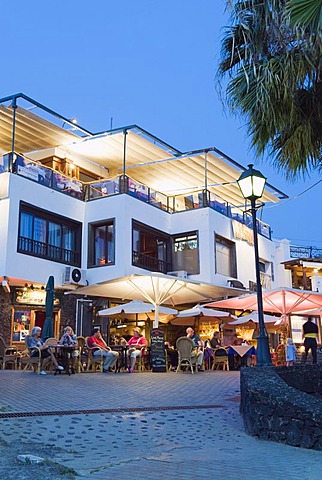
(47,251)
(149,263)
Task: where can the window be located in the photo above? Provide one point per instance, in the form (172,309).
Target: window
(46,235)
(225,254)
(150,248)
(101,244)
(186,253)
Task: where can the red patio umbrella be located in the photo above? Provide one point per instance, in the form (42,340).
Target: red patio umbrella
(281,300)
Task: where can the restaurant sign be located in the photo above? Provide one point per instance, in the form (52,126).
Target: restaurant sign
(32,297)
(243,232)
(158,355)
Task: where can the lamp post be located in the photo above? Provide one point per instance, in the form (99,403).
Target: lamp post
(252,184)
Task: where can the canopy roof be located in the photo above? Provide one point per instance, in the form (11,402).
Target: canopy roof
(282,300)
(146,158)
(32,132)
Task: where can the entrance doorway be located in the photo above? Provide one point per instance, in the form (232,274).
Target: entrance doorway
(40,317)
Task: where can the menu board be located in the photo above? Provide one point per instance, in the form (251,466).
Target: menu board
(158,356)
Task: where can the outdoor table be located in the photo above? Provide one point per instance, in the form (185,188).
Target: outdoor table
(64,353)
(122,361)
(241,351)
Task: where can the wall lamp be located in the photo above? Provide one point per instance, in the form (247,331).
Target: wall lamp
(5,285)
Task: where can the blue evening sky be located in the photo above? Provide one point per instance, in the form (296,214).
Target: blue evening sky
(148,62)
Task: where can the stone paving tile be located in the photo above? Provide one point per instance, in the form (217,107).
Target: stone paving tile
(153,443)
(61,392)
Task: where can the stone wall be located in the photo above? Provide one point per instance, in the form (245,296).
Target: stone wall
(275,405)
(68,311)
(5,315)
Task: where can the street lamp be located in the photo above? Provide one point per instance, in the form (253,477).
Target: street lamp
(252,183)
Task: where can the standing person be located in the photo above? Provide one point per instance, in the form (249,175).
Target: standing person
(137,342)
(290,353)
(96,340)
(35,340)
(310,333)
(198,352)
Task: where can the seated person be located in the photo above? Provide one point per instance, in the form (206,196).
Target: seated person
(110,357)
(215,341)
(36,341)
(237,340)
(119,340)
(198,352)
(173,355)
(69,339)
(208,354)
(137,342)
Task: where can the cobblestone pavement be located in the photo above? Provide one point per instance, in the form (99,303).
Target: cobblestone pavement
(147,425)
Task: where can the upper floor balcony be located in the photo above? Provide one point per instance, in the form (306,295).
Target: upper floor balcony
(123,184)
(54,151)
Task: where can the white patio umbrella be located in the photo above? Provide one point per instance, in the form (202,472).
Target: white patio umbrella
(140,310)
(157,289)
(186,317)
(253,317)
(317,312)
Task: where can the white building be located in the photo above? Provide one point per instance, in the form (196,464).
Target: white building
(89,208)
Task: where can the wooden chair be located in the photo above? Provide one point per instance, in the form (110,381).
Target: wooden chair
(280,354)
(8,355)
(140,363)
(96,361)
(32,363)
(185,347)
(52,342)
(83,355)
(220,359)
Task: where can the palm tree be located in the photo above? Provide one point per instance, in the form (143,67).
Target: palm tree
(307,13)
(274,81)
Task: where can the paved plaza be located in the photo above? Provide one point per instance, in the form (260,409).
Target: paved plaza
(139,426)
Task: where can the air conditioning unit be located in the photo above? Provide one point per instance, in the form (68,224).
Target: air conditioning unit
(179,273)
(74,276)
(235,283)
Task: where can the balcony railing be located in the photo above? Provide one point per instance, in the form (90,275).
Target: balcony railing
(149,263)
(47,251)
(305,252)
(90,191)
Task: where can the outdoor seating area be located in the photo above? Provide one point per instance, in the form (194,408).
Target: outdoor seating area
(145,337)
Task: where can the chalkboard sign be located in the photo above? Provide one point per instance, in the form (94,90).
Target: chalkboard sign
(158,356)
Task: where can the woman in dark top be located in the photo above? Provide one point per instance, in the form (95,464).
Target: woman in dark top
(215,342)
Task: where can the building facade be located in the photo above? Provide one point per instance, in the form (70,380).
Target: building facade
(89,208)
